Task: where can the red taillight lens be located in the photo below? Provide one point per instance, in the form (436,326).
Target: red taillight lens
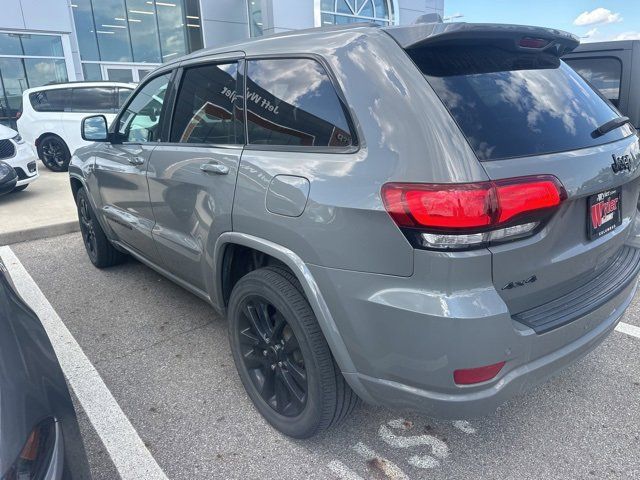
(527,196)
(460,206)
(529,42)
(470,206)
(469,376)
(471,214)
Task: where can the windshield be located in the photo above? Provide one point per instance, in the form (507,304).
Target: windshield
(513,105)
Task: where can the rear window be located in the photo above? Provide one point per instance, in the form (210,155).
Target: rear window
(516,104)
(604,73)
(50,100)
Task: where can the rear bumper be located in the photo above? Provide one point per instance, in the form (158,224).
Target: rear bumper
(405,340)
(485,401)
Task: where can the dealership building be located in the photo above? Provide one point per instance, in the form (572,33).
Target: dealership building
(55,41)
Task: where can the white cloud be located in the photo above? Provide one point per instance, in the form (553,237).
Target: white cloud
(597,16)
(628,36)
(591,33)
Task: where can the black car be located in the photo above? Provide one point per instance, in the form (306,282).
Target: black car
(39,434)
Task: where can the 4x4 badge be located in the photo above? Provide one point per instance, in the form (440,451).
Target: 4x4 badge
(621,163)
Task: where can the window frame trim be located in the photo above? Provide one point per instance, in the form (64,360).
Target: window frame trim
(177,83)
(350,117)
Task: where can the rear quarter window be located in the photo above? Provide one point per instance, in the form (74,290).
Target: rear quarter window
(56,100)
(513,105)
(292,102)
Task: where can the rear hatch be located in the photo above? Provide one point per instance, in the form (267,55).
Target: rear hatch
(524,112)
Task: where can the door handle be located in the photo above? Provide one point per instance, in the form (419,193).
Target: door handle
(136,160)
(214,168)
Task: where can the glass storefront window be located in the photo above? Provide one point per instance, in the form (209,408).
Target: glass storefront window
(137,31)
(85,29)
(112,30)
(255,18)
(144,31)
(43,71)
(92,71)
(35,60)
(10,44)
(42,45)
(341,12)
(194,25)
(172,29)
(14,81)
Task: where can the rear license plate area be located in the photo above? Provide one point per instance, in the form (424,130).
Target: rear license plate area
(604,212)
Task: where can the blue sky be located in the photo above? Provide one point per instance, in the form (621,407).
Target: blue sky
(592,20)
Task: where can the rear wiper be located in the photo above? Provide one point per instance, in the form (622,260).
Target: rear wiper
(610,125)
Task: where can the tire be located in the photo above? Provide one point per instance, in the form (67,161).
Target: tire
(20,188)
(101,252)
(297,354)
(54,153)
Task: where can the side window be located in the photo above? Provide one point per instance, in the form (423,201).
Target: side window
(123,95)
(293,102)
(204,110)
(51,100)
(604,73)
(92,99)
(140,122)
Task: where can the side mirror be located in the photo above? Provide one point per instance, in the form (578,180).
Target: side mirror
(8,178)
(94,129)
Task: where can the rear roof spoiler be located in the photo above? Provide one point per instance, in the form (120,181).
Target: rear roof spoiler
(421,35)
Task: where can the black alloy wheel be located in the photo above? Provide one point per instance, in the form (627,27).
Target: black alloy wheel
(87,228)
(282,356)
(54,154)
(272,356)
(100,250)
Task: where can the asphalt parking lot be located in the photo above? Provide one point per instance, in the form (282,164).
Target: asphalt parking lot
(164,356)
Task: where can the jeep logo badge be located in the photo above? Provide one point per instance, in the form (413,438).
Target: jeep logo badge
(621,163)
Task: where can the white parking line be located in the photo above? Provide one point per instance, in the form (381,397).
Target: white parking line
(628,329)
(128,452)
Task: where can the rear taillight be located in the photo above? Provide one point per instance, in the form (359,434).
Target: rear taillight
(453,216)
(36,455)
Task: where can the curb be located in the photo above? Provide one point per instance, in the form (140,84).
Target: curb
(36,233)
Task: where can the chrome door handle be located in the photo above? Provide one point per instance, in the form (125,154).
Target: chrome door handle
(136,160)
(214,168)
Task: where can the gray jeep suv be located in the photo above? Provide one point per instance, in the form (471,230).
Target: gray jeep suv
(433,216)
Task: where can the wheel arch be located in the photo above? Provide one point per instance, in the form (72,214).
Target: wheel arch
(48,133)
(312,292)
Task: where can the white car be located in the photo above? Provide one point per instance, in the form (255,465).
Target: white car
(51,116)
(19,155)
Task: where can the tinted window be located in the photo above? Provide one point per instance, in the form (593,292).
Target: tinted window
(51,100)
(140,122)
(123,95)
(293,102)
(204,111)
(603,73)
(96,99)
(512,105)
